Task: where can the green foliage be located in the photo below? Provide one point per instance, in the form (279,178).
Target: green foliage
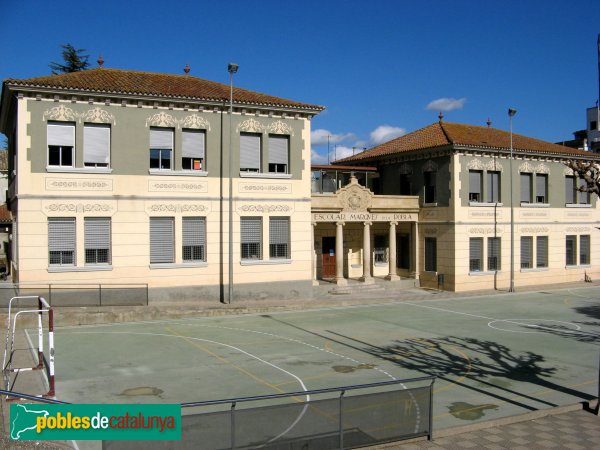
(74,60)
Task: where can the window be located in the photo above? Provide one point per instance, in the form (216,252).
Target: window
(405,185)
(380,249)
(541,188)
(193,239)
(429,182)
(583,196)
(96,145)
(526,179)
(526,252)
(475,194)
(278,154)
(279,238)
(192,149)
(493,187)
(475,254)
(430,254)
(61,241)
(161,148)
(250,152)
(593,125)
(251,237)
(162,240)
(493,253)
(97,240)
(570,189)
(61,142)
(571,250)
(542,251)
(584,249)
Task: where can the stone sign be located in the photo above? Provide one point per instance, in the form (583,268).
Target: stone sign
(363,217)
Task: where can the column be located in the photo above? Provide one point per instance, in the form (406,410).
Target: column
(367,278)
(392,253)
(313,254)
(415,245)
(339,254)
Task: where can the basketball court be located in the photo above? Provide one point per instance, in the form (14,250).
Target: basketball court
(494,356)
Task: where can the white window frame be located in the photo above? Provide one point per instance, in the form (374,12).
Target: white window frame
(62,242)
(193,147)
(62,136)
(162,240)
(251,235)
(159,143)
(193,231)
(96,145)
(279,226)
(97,238)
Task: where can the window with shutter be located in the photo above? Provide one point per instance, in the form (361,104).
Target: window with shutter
(162,240)
(278,154)
(193,148)
(279,237)
(541,188)
(475,185)
(429,186)
(61,241)
(475,254)
(583,196)
(571,250)
(493,253)
(97,240)
(96,145)
(526,187)
(161,148)
(542,251)
(251,237)
(493,187)
(526,252)
(584,249)
(570,189)
(250,152)
(194,239)
(61,143)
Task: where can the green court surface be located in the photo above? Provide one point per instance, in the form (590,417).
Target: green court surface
(494,356)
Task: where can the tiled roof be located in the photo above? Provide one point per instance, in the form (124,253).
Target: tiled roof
(5,214)
(116,81)
(442,134)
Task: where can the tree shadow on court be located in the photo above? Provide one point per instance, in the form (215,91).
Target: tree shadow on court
(592,311)
(491,364)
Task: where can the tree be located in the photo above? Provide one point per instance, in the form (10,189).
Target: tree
(589,171)
(74,60)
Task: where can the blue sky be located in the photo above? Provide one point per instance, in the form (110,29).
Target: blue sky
(375,65)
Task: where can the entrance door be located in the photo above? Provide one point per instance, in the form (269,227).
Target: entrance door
(328,270)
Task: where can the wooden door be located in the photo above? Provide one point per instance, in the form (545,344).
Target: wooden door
(328,270)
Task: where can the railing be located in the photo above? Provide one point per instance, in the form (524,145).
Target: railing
(342,419)
(79,294)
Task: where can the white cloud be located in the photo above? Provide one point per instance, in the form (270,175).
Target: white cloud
(317,158)
(319,137)
(446,104)
(384,133)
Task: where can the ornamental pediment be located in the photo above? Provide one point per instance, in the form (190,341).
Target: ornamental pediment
(354,197)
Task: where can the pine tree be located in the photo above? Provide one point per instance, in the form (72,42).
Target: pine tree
(74,60)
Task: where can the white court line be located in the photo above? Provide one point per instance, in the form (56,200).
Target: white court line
(493,319)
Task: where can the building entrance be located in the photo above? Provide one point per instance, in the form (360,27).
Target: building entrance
(328,252)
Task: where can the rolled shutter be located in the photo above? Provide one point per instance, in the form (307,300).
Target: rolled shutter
(97,233)
(250,152)
(584,249)
(192,144)
(61,134)
(475,182)
(540,187)
(61,234)
(161,138)
(194,231)
(278,149)
(542,251)
(161,240)
(526,251)
(525,187)
(96,144)
(251,230)
(475,252)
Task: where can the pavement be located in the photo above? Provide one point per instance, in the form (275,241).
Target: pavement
(570,427)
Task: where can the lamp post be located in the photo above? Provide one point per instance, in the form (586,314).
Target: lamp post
(231,68)
(511,113)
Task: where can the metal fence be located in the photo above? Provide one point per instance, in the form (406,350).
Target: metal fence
(78,294)
(344,417)
(335,418)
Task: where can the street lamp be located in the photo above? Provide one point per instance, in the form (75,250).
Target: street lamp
(231,68)
(511,113)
